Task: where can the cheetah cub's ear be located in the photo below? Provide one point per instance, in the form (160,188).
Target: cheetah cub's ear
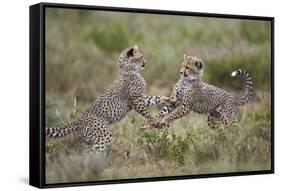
(199,65)
(130,52)
(136,47)
(184,56)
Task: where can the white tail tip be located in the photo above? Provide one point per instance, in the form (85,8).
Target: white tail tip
(136,47)
(233,74)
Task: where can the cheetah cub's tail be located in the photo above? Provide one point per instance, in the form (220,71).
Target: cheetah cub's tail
(57,132)
(240,101)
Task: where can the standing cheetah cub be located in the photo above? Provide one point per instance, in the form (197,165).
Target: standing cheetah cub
(126,93)
(192,94)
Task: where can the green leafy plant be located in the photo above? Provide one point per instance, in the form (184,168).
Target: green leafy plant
(164,145)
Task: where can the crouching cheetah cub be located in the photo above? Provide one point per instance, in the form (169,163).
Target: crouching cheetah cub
(126,93)
(192,94)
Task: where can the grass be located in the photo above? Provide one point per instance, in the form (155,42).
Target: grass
(81,51)
(188,147)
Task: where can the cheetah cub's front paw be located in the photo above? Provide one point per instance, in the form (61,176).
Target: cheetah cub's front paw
(152,123)
(164,123)
(165,100)
(171,101)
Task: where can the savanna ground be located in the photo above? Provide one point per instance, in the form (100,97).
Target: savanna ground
(81,50)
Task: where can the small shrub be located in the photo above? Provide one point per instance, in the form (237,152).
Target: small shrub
(163,145)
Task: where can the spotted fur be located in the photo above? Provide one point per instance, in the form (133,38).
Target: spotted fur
(126,93)
(200,97)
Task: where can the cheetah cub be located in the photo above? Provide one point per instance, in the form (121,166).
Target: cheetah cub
(126,93)
(192,94)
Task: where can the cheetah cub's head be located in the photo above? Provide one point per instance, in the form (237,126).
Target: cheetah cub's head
(191,68)
(131,60)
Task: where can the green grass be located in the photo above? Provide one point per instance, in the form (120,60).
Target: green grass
(81,51)
(188,147)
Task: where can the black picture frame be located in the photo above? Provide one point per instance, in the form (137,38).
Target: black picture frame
(37,94)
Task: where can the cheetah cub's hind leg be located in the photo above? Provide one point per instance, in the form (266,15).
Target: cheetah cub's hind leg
(96,136)
(229,116)
(213,119)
